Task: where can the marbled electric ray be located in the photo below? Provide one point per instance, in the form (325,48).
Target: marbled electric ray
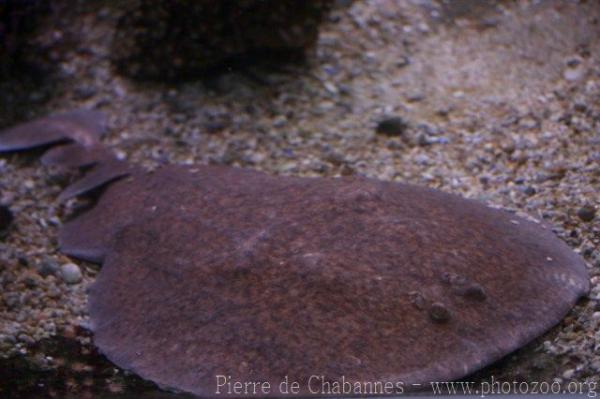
(224,271)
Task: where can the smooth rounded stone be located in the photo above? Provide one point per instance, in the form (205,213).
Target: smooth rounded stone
(392,126)
(568,374)
(574,73)
(71,273)
(586,213)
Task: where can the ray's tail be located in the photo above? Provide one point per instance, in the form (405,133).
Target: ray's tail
(73,141)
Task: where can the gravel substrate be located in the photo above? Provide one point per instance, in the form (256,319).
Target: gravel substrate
(497,102)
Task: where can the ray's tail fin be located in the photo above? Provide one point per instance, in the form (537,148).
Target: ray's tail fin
(73,139)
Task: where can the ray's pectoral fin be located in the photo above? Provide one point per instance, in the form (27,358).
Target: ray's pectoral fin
(73,142)
(75,155)
(84,238)
(82,126)
(98,176)
(75,139)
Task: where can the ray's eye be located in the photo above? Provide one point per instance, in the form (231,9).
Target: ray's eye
(439,313)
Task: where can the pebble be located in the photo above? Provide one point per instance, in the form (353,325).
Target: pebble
(414,97)
(26,339)
(540,363)
(574,73)
(586,213)
(71,273)
(85,92)
(568,374)
(11,300)
(403,61)
(529,191)
(392,126)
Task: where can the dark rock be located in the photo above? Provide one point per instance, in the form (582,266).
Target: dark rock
(423,140)
(11,300)
(215,126)
(35,36)
(335,158)
(395,145)
(30,282)
(85,92)
(216,120)
(541,362)
(572,63)
(402,62)
(414,97)
(18,22)
(392,126)
(178,39)
(343,3)
(48,267)
(529,191)
(20,70)
(586,213)
(6,217)
(26,339)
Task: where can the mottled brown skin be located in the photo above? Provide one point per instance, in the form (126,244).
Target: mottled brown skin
(216,270)
(291,276)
